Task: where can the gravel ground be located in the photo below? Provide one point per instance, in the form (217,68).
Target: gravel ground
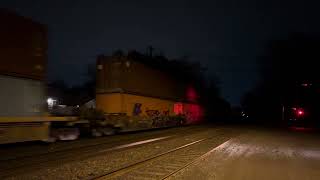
(260,155)
(164,166)
(108,161)
(19,150)
(74,153)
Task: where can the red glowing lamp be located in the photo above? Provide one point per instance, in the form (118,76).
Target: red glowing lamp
(300,112)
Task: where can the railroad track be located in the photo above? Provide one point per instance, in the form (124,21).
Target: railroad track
(99,143)
(35,162)
(164,165)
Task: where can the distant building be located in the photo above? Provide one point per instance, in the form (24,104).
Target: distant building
(69,96)
(90,104)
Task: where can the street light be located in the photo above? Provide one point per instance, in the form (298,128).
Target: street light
(51,102)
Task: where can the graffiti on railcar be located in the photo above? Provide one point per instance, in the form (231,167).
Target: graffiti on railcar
(2,132)
(157,113)
(152,113)
(137,109)
(165,112)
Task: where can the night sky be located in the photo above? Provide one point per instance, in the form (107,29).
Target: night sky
(225,36)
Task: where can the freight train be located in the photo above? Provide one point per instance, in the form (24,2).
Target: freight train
(130,94)
(128,86)
(23,59)
(134,93)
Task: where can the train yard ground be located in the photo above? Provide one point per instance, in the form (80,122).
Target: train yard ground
(191,152)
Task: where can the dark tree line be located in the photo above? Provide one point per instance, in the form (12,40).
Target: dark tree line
(287,65)
(75,95)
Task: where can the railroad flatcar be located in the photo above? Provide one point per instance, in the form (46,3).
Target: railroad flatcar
(23,59)
(128,86)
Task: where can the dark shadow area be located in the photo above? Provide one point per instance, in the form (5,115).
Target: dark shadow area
(289,83)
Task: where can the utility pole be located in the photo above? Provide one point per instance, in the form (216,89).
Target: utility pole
(150,50)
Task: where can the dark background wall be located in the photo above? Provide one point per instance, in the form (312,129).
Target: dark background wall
(23,47)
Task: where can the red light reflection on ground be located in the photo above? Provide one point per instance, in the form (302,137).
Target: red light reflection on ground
(302,129)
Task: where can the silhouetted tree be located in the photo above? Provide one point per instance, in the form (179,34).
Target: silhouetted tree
(288,63)
(90,85)
(217,108)
(118,53)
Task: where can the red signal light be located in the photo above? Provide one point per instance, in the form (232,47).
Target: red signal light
(300,112)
